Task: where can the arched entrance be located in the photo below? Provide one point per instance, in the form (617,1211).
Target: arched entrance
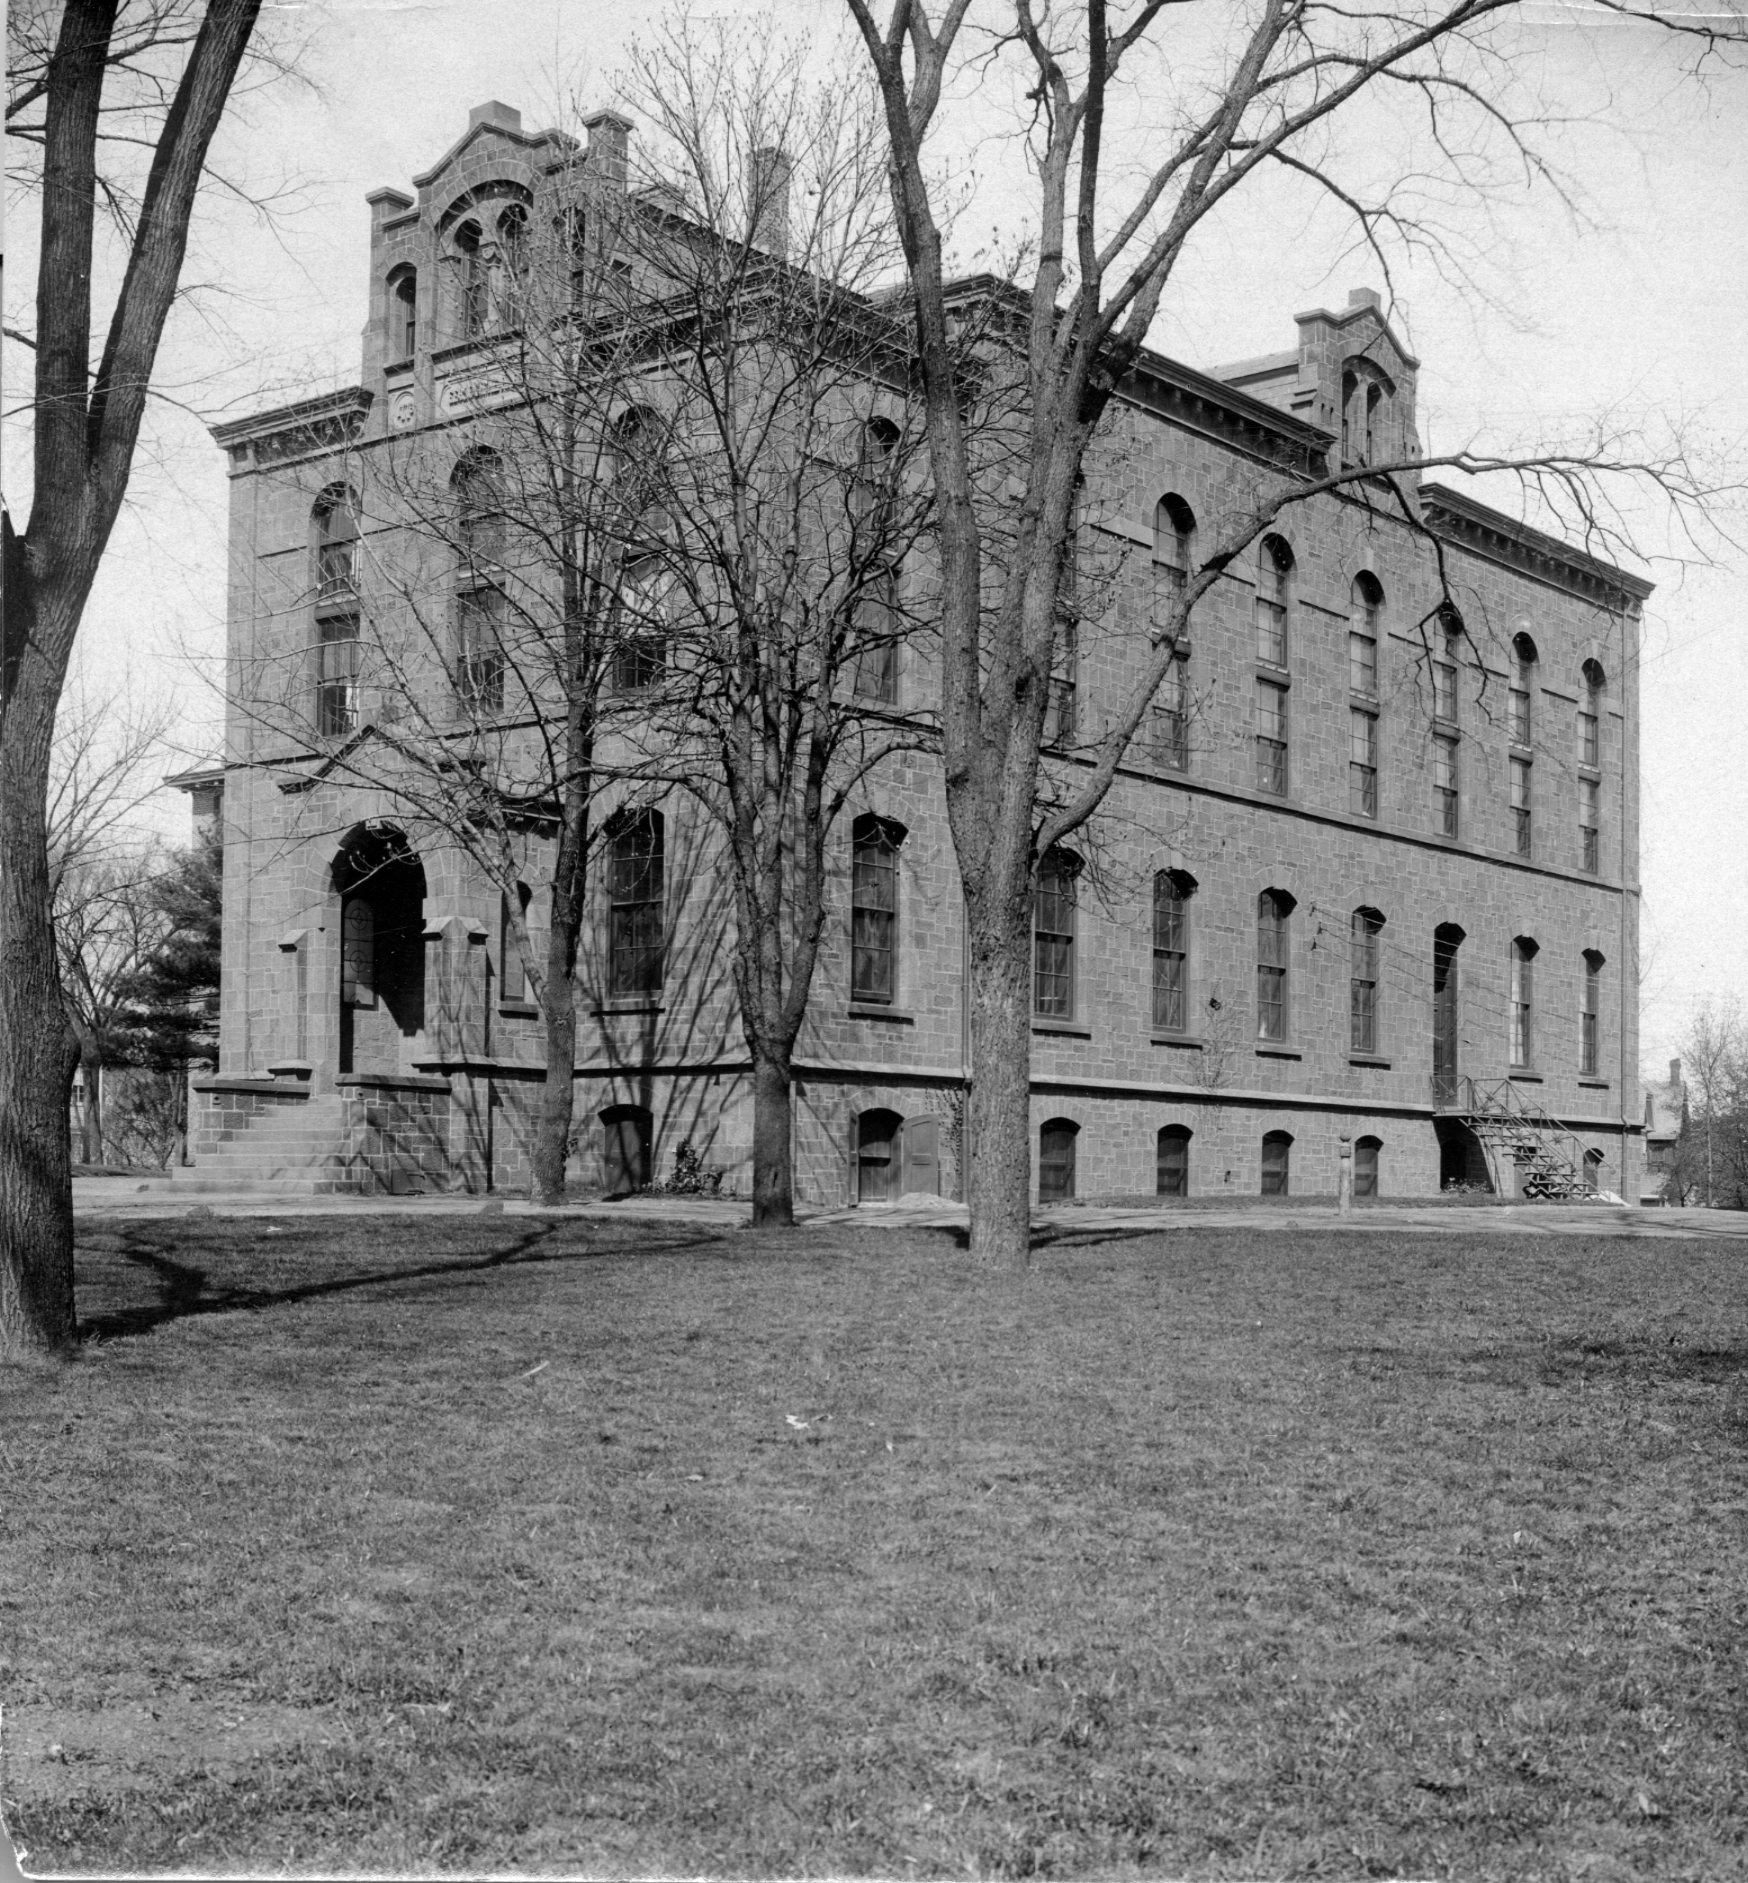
(879,1153)
(381,886)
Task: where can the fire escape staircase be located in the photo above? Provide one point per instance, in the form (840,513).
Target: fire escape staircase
(1514,1130)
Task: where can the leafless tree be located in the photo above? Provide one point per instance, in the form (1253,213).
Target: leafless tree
(1116,196)
(668,563)
(86,425)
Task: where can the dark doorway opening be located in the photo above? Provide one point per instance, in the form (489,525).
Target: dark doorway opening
(1056,1142)
(381,884)
(1447,938)
(878,1169)
(626,1131)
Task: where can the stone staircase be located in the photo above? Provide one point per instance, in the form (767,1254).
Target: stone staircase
(291,1151)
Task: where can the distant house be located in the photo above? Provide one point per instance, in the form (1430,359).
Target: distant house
(1665,1114)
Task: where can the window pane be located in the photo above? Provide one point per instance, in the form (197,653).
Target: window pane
(634,890)
(1520,715)
(1170,957)
(1271,970)
(1587,739)
(1053,940)
(873,918)
(1444,690)
(1444,779)
(1362,664)
(1520,805)
(1362,770)
(1271,738)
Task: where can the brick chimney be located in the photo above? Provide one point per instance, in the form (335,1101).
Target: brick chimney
(770,200)
(609,148)
(495,111)
(1675,1073)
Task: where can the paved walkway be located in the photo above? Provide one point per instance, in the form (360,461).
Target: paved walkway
(96,1198)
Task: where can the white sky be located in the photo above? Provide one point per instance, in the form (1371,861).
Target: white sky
(1643,310)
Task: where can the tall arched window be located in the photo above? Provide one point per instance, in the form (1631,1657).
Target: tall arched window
(1174,537)
(1053,936)
(1363,978)
(337,649)
(1365,1166)
(1172,890)
(875,560)
(1273,604)
(404,312)
(874,909)
(1590,717)
(1366,613)
(1277,1152)
(480,606)
(1172,1161)
(1523,673)
(1523,1004)
(634,903)
(509,267)
(1273,908)
(512,968)
(1590,1016)
(473,288)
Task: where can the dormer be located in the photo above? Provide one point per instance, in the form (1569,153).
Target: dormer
(1349,375)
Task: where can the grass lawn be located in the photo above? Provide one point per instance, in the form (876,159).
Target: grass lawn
(483,1544)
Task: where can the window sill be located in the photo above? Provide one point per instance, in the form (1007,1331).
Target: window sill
(859,1010)
(1062,1029)
(1279,1052)
(648,1003)
(399,366)
(1369,1059)
(1593,1085)
(518,1009)
(1521,1075)
(1186,1040)
(1276,676)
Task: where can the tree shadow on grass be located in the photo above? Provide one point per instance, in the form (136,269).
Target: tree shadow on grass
(185,1290)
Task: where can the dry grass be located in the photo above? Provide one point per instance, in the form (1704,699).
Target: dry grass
(485,1545)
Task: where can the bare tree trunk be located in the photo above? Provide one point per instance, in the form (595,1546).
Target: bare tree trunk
(558,993)
(37,1048)
(773,1177)
(997,1183)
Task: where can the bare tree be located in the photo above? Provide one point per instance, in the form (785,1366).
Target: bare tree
(1267,88)
(1713,1056)
(669,563)
(790,505)
(86,422)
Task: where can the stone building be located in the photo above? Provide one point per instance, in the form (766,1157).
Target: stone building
(1370,873)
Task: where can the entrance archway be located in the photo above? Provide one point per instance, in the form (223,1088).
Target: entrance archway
(381,885)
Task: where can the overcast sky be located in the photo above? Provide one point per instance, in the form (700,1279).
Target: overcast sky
(1643,309)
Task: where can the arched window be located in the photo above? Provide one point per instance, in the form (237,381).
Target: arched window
(480,606)
(1172,890)
(1523,1035)
(473,287)
(1056,1142)
(634,903)
(1366,605)
(1590,1016)
(874,909)
(1350,385)
(1053,936)
(1174,537)
(1523,673)
(1365,1166)
(404,312)
(1447,644)
(337,649)
(1363,978)
(1273,604)
(1374,417)
(1277,1151)
(512,969)
(510,267)
(1173,1161)
(875,560)
(1590,717)
(1273,907)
